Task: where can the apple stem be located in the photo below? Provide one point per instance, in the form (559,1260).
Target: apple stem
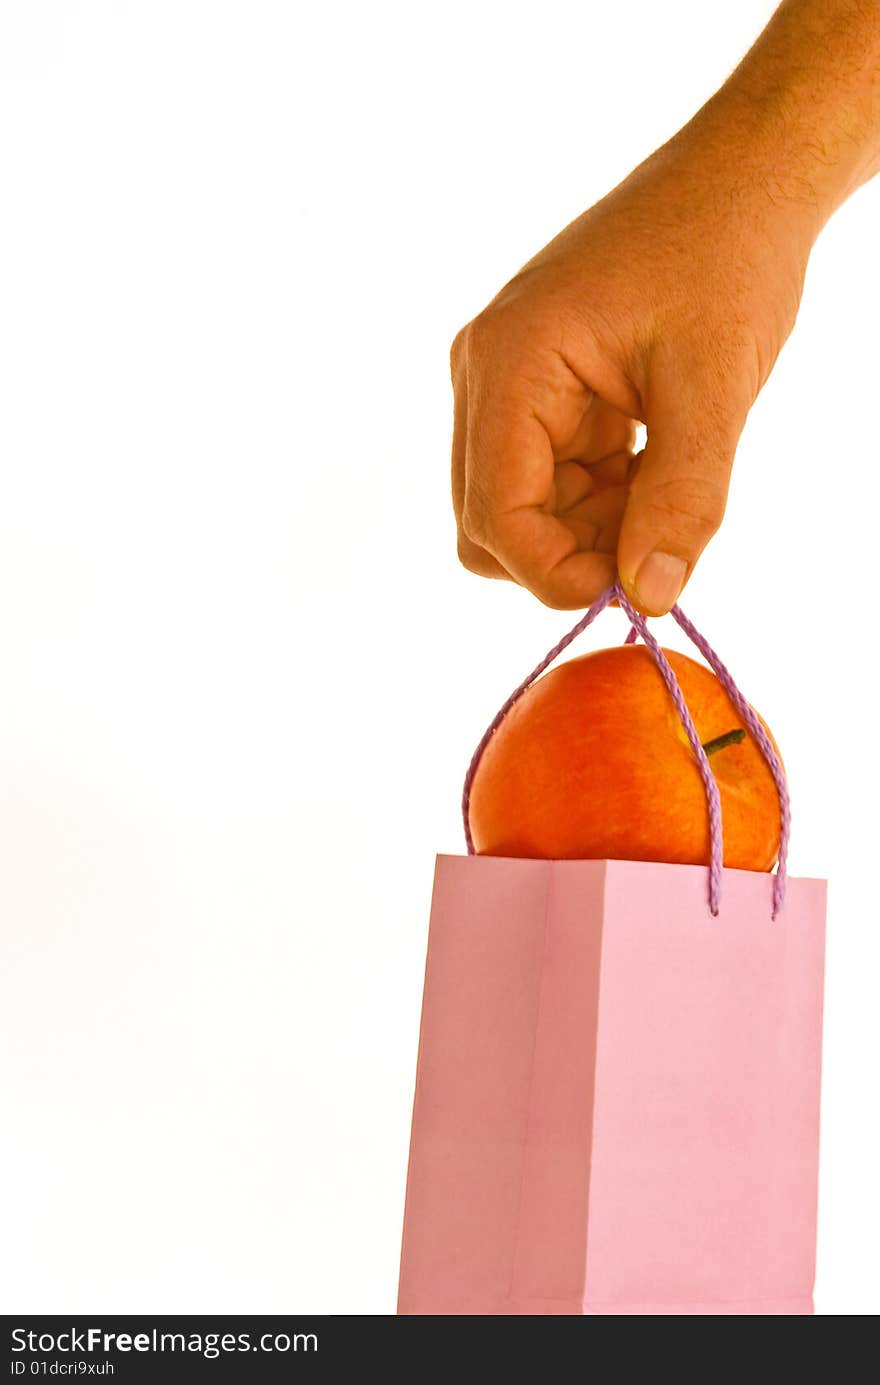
(721,742)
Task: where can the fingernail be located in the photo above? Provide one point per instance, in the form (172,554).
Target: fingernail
(659,581)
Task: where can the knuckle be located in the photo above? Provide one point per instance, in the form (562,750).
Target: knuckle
(476,511)
(477,559)
(473,521)
(484,335)
(690,511)
(465,550)
(497,340)
(458,351)
(475,340)
(470,556)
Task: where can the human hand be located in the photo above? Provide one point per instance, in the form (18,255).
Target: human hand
(667,304)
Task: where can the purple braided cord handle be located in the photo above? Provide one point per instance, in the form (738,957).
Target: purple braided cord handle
(638,628)
(713,797)
(764,743)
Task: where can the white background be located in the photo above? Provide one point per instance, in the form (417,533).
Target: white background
(241,671)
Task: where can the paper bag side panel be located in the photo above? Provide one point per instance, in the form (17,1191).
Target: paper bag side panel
(706,1121)
(473,1084)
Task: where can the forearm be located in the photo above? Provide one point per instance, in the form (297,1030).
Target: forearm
(667,302)
(801,113)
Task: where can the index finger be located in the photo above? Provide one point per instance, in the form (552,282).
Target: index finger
(508,507)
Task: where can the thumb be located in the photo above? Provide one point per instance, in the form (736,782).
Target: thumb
(676,503)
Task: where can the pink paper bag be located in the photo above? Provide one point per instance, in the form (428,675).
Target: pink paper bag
(617,1100)
(617,1096)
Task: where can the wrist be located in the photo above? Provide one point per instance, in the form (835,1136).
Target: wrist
(800,116)
(767,168)
(804,167)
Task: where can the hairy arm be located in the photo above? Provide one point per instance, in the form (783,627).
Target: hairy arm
(666,303)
